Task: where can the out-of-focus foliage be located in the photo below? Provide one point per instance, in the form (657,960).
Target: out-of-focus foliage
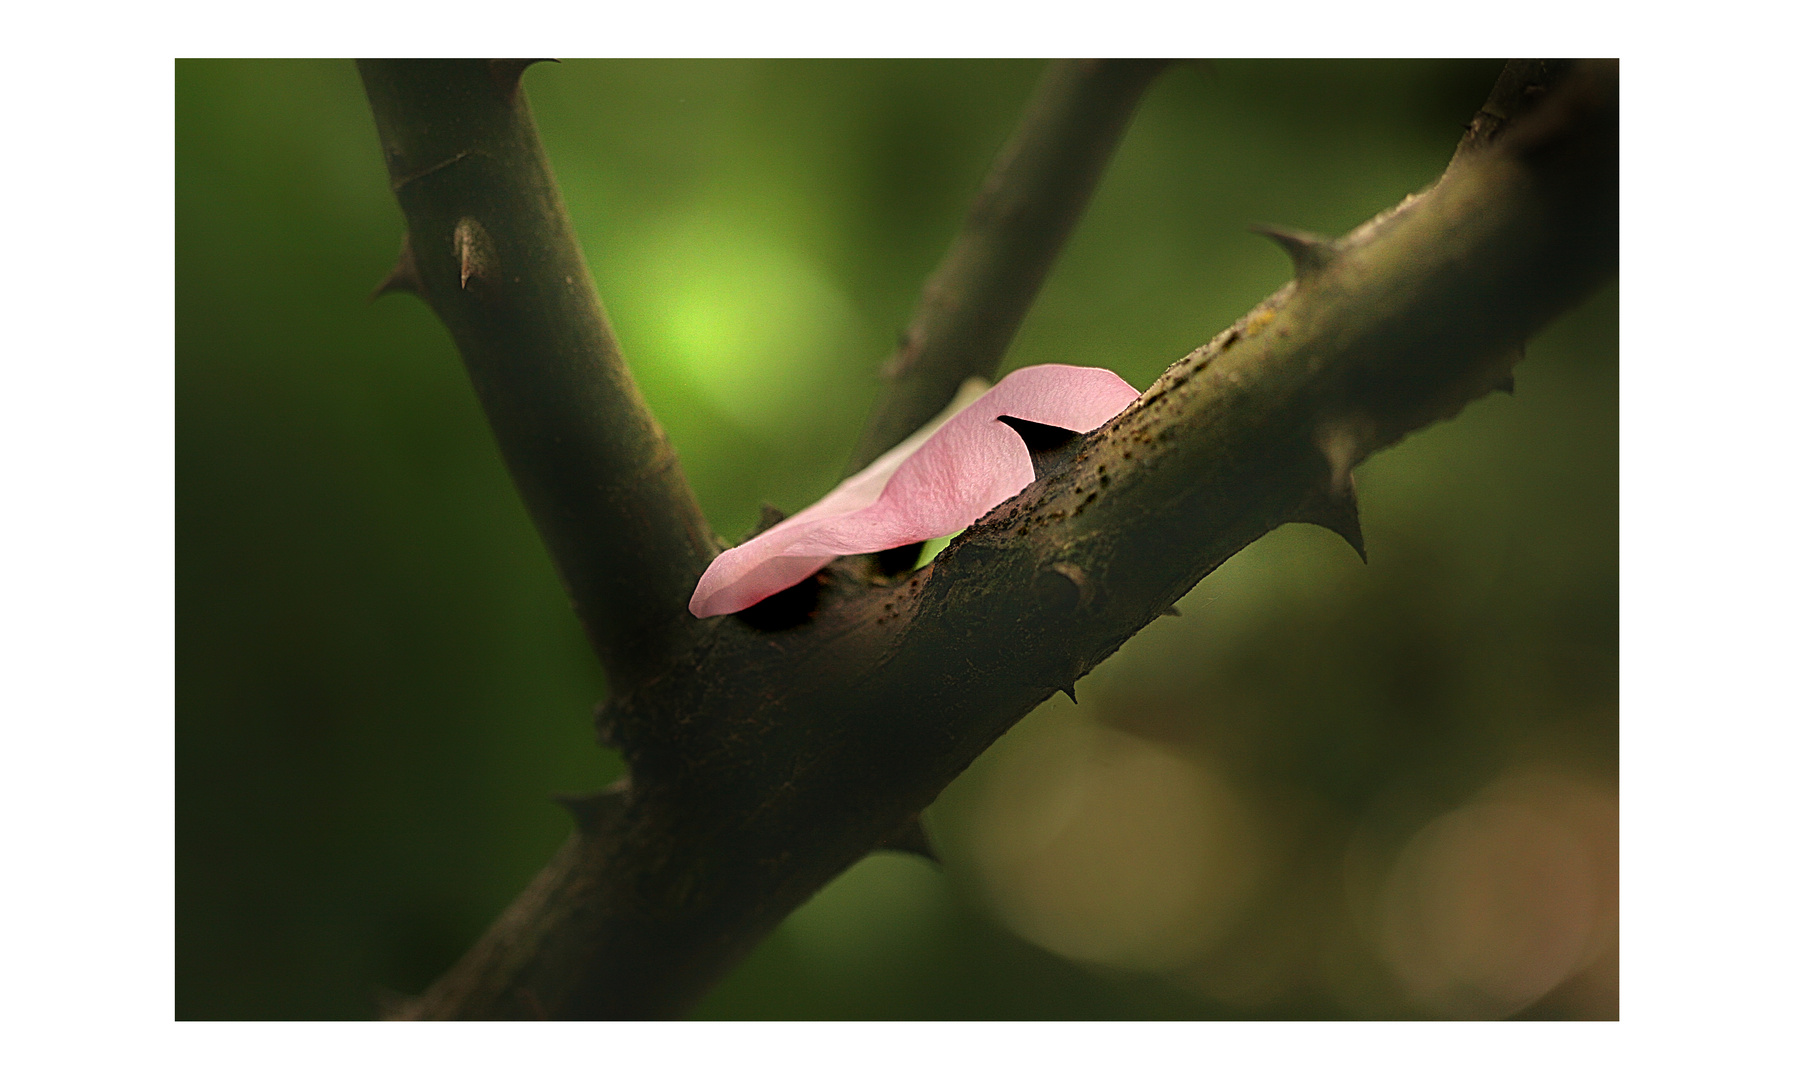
(1327,790)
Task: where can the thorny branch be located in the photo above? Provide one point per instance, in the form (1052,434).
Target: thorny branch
(489,247)
(768,757)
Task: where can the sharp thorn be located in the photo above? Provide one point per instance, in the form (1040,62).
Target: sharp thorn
(474,251)
(1507,385)
(1310,252)
(1173,612)
(593,812)
(913,838)
(403,277)
(1350,531)
(1068,691)
(1339,515)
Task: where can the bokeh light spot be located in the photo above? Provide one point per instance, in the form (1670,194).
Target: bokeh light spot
(1111,849)
(753,324)
(1492,905)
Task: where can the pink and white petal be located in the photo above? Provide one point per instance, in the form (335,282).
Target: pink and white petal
(1080,399)
(864,487)
(738,584)
(976,462)
(931,485)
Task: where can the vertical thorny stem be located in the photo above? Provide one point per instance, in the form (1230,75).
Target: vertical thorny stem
(489,248)
(763,761)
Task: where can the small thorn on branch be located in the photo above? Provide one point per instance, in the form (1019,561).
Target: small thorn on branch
(475,253)
(1310,252)
(1069,692)
(1343,443)
(914,839)
(1339,514)
(594,812)
(403,277)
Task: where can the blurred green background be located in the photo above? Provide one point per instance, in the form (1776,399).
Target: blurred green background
(1328,790)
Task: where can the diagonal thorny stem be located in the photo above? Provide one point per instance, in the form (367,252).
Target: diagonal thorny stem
(489,248)
(1037,190)
(769,760)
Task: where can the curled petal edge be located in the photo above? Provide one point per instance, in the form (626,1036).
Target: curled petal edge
(935,483)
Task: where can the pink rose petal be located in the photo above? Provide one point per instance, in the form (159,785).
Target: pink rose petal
(931,485)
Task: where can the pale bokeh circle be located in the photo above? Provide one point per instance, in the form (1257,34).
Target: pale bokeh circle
(1107,848)
(1492,905)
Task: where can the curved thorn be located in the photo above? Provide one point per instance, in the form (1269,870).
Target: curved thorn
(1310,252)
(595,811)
(474,251)
(403,277)
(1339,514)
(913,838)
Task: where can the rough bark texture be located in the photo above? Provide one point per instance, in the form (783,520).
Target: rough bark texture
(770,751)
